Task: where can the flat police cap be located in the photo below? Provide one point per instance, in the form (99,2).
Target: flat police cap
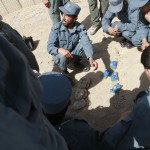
(115,5)
(57,90)
(70,8)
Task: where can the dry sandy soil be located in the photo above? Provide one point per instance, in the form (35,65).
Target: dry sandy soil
(103,107)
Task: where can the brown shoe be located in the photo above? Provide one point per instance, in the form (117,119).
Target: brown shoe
(81,93)
(94,29)
(84,83)
(79,104)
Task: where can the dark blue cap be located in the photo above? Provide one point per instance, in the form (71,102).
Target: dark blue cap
(70,8)
(57,91)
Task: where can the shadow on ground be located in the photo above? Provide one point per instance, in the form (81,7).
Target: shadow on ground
(87,22)
(101,117)
(100,50)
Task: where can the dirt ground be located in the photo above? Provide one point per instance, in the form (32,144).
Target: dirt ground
(103,107)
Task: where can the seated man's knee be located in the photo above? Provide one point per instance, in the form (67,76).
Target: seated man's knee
(62,58)
(136,41)
(58,59)
(125,34)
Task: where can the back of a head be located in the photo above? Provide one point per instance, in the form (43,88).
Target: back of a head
(145,58)
(57,90)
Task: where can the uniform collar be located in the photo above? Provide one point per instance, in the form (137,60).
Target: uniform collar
(74,29)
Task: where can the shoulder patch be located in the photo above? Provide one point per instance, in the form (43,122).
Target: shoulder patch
(80,26)
(57,25)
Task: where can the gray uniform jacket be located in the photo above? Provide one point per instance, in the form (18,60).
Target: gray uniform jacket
(60,37)
(133,131)
(131,20)
(23,125)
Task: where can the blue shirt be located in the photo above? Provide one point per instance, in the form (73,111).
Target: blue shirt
(61,37)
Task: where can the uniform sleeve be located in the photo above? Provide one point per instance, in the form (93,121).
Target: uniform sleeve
(53,42)
(132,26)
(85,41)
(143,33)
(107,19)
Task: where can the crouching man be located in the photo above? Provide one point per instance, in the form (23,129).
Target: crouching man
(68,40)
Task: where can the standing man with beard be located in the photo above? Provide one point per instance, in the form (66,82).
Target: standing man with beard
(68,40)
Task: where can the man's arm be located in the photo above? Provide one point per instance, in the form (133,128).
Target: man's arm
(132,26)
(87,47)
(106,21)
(53,42)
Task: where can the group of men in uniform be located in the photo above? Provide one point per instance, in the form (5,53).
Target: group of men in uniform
(27,113)
(132,24)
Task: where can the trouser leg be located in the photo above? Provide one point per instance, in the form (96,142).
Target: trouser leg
(136,40)
(94,12)
(62,61)
(78,53)
(128,35)
(103,7)
(54,11)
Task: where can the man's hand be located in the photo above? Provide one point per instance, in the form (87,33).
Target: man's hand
(47,3)
(113,31)
(93,63)
(65,53)
(145,44)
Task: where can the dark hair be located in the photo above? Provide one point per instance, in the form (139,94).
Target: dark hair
(146,7)
(145,58)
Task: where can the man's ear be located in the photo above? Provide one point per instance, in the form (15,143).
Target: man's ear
(147,71)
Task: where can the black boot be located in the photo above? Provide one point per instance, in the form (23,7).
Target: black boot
(129,45)
(123,43)
(126,43)
(82,67)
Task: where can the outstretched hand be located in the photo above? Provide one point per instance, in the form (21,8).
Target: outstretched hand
(93,63)
(113,31)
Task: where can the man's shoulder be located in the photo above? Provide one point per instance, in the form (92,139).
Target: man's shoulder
(80,26)
(57,25)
